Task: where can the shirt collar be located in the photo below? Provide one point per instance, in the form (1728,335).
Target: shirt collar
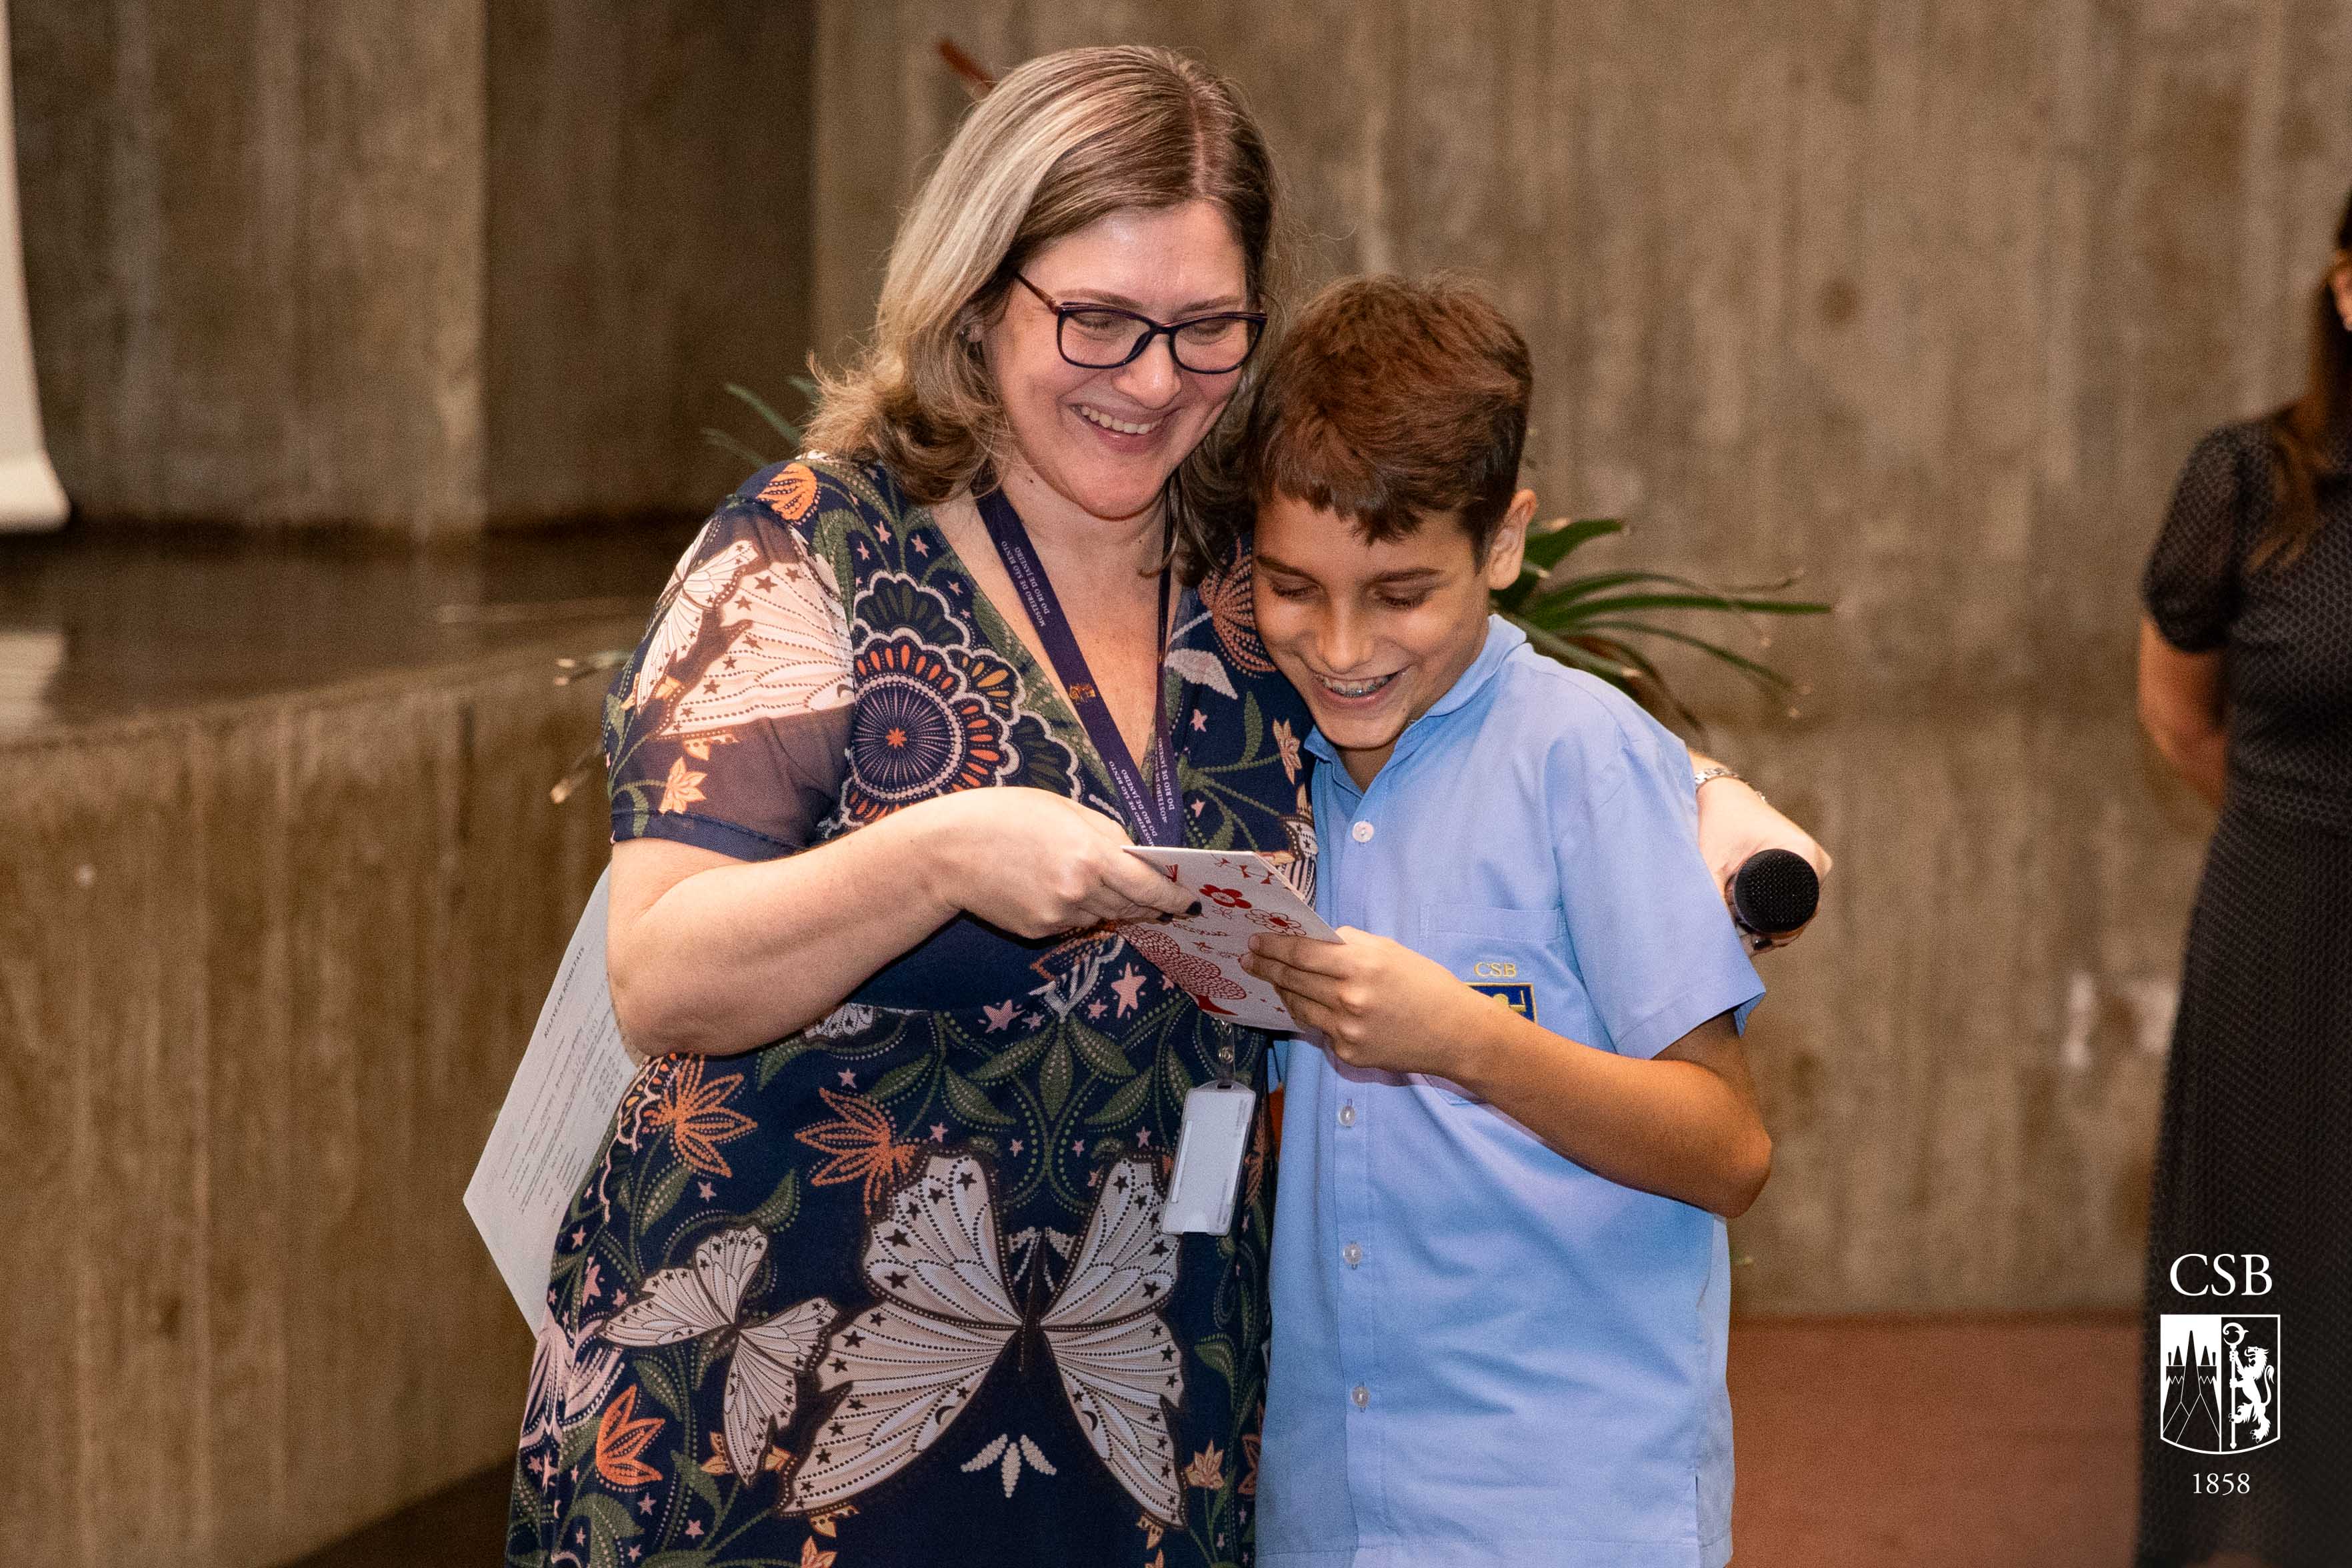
(1503,639)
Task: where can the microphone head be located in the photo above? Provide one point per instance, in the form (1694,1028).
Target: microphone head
(1775,891)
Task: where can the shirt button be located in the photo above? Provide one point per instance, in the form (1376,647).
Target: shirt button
(1348,1114)
(1361,833)
(1352,1253)
(1361,1395)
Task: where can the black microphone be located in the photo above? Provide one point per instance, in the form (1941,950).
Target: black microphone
(1773,893)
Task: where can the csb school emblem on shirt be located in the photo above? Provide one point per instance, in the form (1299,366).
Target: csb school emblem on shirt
(2217,1381)
(1519,999)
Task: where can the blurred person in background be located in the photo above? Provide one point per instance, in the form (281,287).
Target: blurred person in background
(2246,685)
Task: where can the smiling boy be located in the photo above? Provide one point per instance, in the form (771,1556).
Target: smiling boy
(1500,1272)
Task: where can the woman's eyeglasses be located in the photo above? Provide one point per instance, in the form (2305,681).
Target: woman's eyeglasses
(1104,337)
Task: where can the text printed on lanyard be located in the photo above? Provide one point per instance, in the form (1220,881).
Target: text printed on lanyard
(1155,809)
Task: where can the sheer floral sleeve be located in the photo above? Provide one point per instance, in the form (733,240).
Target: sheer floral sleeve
(726,728)
(2191,586)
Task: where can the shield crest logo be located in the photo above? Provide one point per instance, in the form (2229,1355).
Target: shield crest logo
(2217,1381)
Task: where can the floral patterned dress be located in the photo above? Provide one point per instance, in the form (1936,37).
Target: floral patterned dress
(893,1290)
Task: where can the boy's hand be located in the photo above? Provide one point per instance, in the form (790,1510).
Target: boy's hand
(1376,1002)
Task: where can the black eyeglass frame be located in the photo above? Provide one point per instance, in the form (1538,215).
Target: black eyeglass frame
(1062,311)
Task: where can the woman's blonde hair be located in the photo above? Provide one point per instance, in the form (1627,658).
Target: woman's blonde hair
(1061,142)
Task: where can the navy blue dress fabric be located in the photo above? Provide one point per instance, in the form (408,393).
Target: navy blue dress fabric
(2254,1150)
(892,1290)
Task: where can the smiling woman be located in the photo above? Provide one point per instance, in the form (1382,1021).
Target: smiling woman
(874,766)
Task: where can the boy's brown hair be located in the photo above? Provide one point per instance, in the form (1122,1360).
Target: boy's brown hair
(1392,401)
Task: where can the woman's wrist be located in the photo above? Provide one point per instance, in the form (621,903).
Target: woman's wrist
(938,841)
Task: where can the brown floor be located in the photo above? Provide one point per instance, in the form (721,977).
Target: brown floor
(1936,1443)
(1864,1443)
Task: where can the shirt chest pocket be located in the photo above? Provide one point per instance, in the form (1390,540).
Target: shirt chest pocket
(1517,957)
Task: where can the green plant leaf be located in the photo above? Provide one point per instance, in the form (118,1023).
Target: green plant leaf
(1569,588)
(726,443)
(1762,673)
(1558,617)
(1568,653)
(1216,1353)
(1549,548)
(776,422)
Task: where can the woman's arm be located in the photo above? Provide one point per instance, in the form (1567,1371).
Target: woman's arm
(1735,821)
(713,955)
(1683,1125)
(2182,707)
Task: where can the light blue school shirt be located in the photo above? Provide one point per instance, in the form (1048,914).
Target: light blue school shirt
(1483,1353)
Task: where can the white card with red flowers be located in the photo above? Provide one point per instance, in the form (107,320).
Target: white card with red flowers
(1242,894)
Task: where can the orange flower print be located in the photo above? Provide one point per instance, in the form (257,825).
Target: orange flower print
(1207,1469)
(861,1145)
(791,492)
(1249,1459)
(682,788)
(698,1118)
(812,1558)
(1285,742)
(621,1438)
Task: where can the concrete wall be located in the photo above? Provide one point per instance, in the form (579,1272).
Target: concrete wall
(648,242)
(421,266)
(265,967)
(1929,300)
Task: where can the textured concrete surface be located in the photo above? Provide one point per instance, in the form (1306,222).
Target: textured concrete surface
(648,242)
(420,266)
(148,621)
(265,966)
(1928,300)
(253,256)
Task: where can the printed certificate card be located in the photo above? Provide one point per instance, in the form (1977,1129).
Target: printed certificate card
(1241,895)
(557,1111)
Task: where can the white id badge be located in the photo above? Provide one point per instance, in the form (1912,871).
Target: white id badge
(1208,1150)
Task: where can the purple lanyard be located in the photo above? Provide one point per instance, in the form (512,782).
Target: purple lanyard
(1156,812)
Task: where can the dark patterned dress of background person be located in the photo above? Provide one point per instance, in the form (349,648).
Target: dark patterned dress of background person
(892,1290)
(2254,1154)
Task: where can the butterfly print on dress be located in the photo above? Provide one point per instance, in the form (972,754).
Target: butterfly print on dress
(904,1367)
(763,1378)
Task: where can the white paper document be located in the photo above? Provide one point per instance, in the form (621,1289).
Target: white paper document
(557,1111)
(1242,894)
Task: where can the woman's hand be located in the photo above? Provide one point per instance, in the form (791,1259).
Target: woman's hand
(2184,707)
(1734,822)
(1376,1002)
(1036,864)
